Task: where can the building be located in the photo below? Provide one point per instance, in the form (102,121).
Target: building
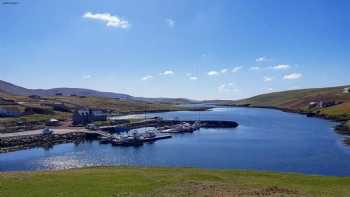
(4,101)
(53,122)
(86,116)
(34,96)
(10,111)
(346,90)
(323,104)
(313,104)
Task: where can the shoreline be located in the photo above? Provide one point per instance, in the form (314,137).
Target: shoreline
(31,139)
(341,128)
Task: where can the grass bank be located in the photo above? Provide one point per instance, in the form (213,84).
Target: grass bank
(127,181)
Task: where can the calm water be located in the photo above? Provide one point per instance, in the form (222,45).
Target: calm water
(265,140)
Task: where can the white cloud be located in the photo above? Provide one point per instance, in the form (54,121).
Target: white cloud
(224,70)
(109,19)
(261,59)
(227,87)
(293,76)
(148,77)
(191,77)
(255,68)
(167,72)
(267,79)
(213,73)
(281,67)
(170,22)
(87,76)
(236,69)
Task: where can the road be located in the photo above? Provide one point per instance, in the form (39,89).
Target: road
(39,132)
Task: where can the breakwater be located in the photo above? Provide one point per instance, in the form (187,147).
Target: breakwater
(9,144)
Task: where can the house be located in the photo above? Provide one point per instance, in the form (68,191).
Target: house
(34,96)
(86,116)
(53,122)
(59,106)
(10,111)
(313,104)
(322,104)
(4,101)
(346,90)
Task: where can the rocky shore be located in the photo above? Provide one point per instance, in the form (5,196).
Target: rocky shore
(25,142)
(344,128)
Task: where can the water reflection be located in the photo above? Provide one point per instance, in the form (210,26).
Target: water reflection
(265,140)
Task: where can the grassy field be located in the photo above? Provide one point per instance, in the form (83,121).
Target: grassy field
(167,182)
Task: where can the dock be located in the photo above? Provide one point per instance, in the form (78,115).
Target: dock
(36,138)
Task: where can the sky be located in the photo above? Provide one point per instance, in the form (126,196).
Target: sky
(225,49)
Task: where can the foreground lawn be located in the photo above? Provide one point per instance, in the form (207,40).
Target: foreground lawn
(127,181)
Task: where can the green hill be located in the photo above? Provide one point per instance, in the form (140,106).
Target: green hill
(302,101)
(299,101)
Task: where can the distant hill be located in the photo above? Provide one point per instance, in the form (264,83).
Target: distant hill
(21,91)
(299,100)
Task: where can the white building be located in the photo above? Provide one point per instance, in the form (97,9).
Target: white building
(346,90)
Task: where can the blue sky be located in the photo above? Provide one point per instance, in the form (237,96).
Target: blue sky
(176,48)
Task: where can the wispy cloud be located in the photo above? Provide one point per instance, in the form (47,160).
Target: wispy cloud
(255,68)
(261,59)
(267,79)
(223,71)
(191,77)
(147,77)
(281,67)
(236,69)
(87,76)
(109,19)
(167,72)
(213,73)
(228,87)
(170,22)
(293,76)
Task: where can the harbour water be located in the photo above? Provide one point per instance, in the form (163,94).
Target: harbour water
(266,139)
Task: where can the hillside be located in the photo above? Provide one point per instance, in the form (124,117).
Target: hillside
(20,91)
(299,101)
(12,89)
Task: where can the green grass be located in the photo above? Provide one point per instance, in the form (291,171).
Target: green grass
(127,181)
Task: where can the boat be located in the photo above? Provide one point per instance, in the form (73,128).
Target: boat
(179,128)
(134,139)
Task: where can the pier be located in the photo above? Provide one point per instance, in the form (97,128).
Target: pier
(37,138)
